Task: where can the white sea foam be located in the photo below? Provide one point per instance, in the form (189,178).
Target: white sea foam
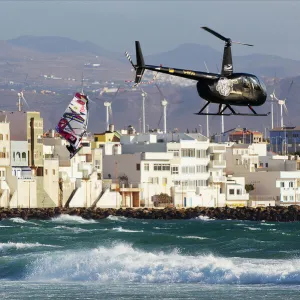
(11,245)
(193,237)
(253,228)
(123,263)
(4,226)
(21,221)
(117,218)
(204,218)
(74,229)
(72,219)
(120,229)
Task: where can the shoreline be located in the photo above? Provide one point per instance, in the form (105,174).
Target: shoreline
(270,213)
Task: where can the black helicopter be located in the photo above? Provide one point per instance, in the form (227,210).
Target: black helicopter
(226,89)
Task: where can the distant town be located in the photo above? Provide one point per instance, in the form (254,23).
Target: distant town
(128,168)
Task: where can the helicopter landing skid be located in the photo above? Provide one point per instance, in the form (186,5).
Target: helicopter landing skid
(233,112)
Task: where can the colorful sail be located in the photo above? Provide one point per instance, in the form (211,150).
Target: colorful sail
(73,124)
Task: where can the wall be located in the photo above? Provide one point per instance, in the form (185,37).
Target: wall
(110,199)
(4,144)
(87,193)
(25,195)
(51,179)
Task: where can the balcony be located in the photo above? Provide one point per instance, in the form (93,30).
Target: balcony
(217,164)
(217,178)
(218,149)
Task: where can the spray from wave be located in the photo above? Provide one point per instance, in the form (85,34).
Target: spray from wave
(72,219)
(123,263)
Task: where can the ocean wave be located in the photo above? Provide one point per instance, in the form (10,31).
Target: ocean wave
(120,229)
(204,218)
(73,229)
(117,218)
(193,237)
(123,263)
(22,221)
(71,219)
(11,245)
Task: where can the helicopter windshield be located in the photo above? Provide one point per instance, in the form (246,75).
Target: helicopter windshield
(262,84)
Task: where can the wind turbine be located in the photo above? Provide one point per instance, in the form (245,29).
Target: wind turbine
(207,109)
(282,105)
(19,103)
(144,95)
(273,99)
(164,104)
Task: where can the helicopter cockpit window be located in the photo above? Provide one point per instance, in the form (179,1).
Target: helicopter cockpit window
(262,84)
(255,83)
(246,83)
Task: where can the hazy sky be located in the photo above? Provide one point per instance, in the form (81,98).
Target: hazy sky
(272,26)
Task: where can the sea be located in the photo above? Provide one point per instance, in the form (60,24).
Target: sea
(118,258)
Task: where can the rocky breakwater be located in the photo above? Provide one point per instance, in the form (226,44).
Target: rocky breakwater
(271,214)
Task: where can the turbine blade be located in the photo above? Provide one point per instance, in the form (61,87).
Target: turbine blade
(25,100)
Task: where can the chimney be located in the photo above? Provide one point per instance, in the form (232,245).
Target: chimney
(32,140)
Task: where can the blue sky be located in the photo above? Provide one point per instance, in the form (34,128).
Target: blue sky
(159,25)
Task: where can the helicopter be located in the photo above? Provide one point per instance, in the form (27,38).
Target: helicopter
(226,89)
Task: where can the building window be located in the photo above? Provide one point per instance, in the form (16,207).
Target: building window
(267,165)
(18,156)
(153,180)
(238,192)
(46,171)
(175,152)
(1,137)
(291,198)
(285,198)
(201,154)
(164,181)
(7,137)
(261,165)
(291,184)
(231,192)
(53,172)
(23,156)
(146,167)
(138,167)
(161,167)
(96,139)
(187,152)
(282,184)
(174,170)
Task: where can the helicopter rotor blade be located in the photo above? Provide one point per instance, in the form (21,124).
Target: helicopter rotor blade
(218,35)
(245,44)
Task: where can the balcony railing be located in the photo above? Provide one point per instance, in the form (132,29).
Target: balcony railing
(217,164)
(218,149)
(217,178)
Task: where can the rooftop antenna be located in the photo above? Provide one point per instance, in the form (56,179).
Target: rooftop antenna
(82,83)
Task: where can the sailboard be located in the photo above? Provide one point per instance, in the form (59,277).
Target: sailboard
(73,124)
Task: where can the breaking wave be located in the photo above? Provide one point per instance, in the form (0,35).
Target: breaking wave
(11,245)
(72,219)
(123,263)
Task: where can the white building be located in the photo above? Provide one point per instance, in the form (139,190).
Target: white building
(289,185)
(184,166)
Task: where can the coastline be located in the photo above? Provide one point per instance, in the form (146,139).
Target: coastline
(269,214)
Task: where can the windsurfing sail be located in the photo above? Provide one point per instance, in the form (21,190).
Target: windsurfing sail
(73,124)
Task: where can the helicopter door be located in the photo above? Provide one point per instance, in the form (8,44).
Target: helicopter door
(247,88)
